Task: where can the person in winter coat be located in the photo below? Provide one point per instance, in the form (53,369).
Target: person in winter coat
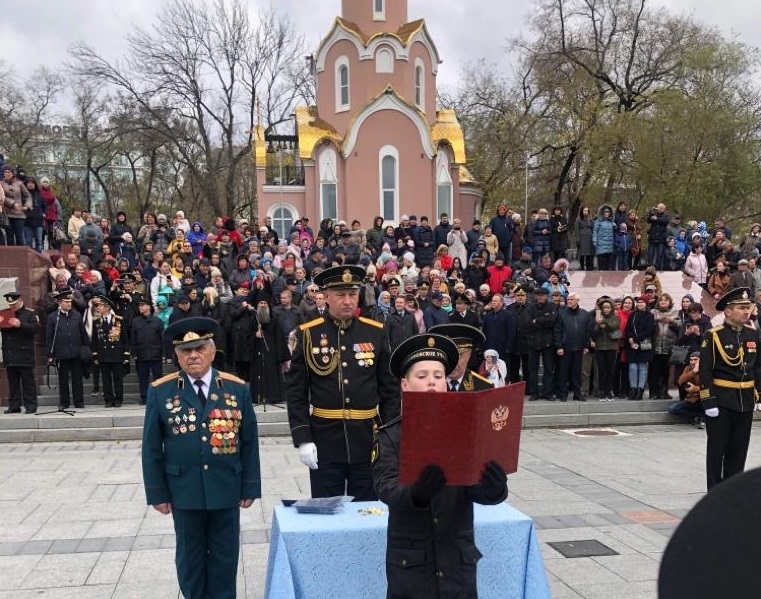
(718,281)
(664,338)
(623,243)
(585,249)
(634,227)
(572,337)
(658,220)
(491,243)
(639,346)
(606,336)
(196,237)
(117,231)
(558,233)
(540,235)
(17,202)
(441,230)
(424,243)
(502,226)
(35,218)
(457,241)
(499,272)
(126,250)
(604,238)
(696,266)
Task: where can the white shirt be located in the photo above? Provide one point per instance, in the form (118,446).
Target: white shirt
(206,383)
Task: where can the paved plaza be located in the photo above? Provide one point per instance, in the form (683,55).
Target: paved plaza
(75,523)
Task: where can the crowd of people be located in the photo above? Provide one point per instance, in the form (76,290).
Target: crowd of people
(504,276)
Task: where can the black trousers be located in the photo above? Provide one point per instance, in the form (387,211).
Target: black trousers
(547,356)
(207,552)
(727,440)
(113,383)
(621,377)
(514,367)
(606,369)
(569,372)
(22,387)
(605,262)
(70,370)
(658,375)
(334,478)
(146,368)
(587,262)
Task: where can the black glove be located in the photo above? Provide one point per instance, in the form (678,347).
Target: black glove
(493,480)
(430,482)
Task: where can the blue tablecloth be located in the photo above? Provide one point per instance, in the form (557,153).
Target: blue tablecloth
(315,557)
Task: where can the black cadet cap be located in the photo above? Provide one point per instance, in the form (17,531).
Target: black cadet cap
(192,332)
(12,297)
(714,550)
(741,295)
(127,278)
(464,335)
(423,347)
(63,294)
(340,277)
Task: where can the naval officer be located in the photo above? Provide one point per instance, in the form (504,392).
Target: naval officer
(340,369)
(730,383)
(468,339)
(201,460)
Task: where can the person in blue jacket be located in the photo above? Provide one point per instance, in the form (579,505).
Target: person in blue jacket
(201,460)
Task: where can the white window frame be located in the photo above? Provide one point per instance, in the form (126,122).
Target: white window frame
(379,15)
(419,74)
(328,176)
(341,62)
(444,183)
(383,64)
(388,151)
(272,214)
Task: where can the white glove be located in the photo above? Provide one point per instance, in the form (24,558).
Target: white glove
(308,454)
(710,412)
(757,407)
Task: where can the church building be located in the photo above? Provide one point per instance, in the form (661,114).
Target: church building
(375,143)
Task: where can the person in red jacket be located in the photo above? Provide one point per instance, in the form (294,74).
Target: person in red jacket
(499,272)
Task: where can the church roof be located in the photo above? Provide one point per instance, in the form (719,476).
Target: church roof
(404,34)
(447,128)
(311,130)
(466,178)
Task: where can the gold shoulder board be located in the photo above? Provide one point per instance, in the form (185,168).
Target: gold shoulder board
(231,377)
(369,321)
(165,379)
(716,329)
(311,323)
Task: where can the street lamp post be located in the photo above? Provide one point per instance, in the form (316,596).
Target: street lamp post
(525,166)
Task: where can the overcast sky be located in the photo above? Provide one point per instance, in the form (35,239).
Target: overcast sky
(36,32)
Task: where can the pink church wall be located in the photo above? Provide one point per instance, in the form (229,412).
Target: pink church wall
(361,13)
(361,197)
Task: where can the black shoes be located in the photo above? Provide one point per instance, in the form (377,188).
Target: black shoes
(12,411)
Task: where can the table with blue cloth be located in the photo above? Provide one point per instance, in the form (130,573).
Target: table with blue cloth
(344,555)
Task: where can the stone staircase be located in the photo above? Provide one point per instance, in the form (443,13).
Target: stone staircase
(96,423)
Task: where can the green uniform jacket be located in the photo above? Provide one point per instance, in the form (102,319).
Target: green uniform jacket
(200,458)
(727,379)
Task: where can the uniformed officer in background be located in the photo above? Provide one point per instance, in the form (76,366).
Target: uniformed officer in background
(65,336)
(730,383)
(201,460)
(126,299)
(468,340)
(18,354)
(431,550)
(110,351)
(340,367)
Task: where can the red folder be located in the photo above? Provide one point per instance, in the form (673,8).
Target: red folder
(461,432)
(5,315)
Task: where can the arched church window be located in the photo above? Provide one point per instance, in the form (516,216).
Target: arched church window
(443,184)
(328,184)
(389,183)
(283,216)
(419,84)
(384,61)
(342,84)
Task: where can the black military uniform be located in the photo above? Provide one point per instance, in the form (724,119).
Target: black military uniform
(110,349)
(730,381)
(431,550)
(518,357)
(468,339)
(341,369)
(126,301)
(18,356)
(65,336)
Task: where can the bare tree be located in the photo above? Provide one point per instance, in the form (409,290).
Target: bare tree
(196,77)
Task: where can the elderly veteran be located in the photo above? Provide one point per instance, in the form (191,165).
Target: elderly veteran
(201,460)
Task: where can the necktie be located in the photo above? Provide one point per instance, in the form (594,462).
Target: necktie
(201,394)
(453,385)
